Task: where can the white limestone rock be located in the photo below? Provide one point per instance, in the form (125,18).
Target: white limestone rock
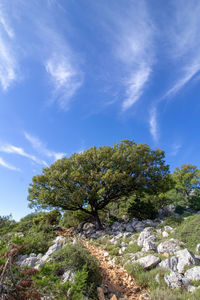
(169,263)
(147,232)
(29,262)
(165,234)
(68,276)
(198,248)
(149,245)
(185,258)
(176,280)
(148,262)
(193,273)
(169,246)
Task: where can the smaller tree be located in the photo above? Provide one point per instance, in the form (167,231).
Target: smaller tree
(187,182)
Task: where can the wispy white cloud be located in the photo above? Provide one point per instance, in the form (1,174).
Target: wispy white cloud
(65,77)
(4,164)
(39,146)
(46,44)
(184,41)
(188,73)
(134,47)
(153,126)
(135,86)
(8,62)
(6,148)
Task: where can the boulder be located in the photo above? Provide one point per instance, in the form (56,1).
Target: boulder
(193,273)
(198,248)
(129,228)
(32,255)
(177,263)
(147,232)
(21,258)
(132,242)
(165,234)
(59,242)
(185,258)
(51,250)
(148,262)
(169,228)
(127,234)
(191,288)
(169,246)
(29,262)
(149,245)
(170,263)
(100,293)
(151,223)
(118,227)
(176,280)
(118,235)
(139,227)
(166,211)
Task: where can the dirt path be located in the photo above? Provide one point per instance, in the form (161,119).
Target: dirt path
(115,279)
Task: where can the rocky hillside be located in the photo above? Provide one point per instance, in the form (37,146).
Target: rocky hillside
(132,259)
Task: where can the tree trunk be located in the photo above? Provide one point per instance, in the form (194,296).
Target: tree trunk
(98,221)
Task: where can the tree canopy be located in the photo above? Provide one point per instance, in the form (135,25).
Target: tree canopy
(88,181)
(187,179)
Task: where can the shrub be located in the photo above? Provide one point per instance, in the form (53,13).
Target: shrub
(179,209)
(49,278)
(143,208)
(6,224)
(27,222)
(35,240)
(73,218)
(76,257)
(194,201)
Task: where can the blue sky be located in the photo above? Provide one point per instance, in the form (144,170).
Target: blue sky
(74,74)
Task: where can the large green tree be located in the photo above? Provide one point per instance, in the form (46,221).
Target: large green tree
(90,180)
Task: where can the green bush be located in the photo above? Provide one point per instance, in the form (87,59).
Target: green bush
(142,208)
(49,278)
(179,209)
(6,224)
(27,222)
(36,240)
(73,218)
(76,257)
(194,201)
